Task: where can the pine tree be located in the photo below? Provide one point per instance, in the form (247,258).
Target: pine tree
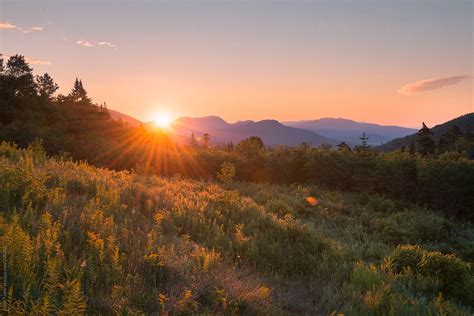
(46,86)
(364,145)
(424,141)
(193,142)
(411,148)
(206,140)
(19,76)
(78,93)
(449,140)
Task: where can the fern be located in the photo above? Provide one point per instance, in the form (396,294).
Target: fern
(74,301)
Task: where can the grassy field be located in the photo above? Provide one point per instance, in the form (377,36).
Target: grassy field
(79,238)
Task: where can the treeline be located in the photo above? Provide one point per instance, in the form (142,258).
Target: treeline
(70,125)
(444,182)
(439,175)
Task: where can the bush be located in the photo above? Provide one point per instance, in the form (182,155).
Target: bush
(226,173)
(405,256)
(365,277)
(451,271)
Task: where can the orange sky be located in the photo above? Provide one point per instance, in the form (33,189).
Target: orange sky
(256,60)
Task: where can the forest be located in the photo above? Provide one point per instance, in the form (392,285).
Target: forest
(101,218)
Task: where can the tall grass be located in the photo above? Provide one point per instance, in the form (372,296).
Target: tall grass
(80,238)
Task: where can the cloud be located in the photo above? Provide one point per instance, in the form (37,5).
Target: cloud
(9,26)
(430,84)
(34,61)
(100,44)
(108,44)
(84,43)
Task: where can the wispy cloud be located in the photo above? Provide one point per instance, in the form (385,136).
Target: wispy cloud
(10,26)
(99,44)
(34,61)
(108,44)
(430,84)
(84,43)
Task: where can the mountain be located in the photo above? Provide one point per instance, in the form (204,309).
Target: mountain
(271,132)
(464,122)
(350,131)
(118,116)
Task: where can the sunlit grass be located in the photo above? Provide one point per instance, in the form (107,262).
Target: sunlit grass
(137,243)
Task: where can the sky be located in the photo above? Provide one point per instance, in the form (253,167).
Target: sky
(386,62)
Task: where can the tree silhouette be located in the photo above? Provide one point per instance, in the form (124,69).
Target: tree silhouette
(251,146)
(449,140)
(193,143)
(17,67)
(344,147)
(424,141)
(364,145)
(78,93)
(46,86)
(19,76)
(206,140)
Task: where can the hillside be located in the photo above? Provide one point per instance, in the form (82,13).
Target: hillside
(118,116)
(350,131)
(464,122)
(83,239)
(271,132)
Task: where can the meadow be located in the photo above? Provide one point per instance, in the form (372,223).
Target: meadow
(82,239)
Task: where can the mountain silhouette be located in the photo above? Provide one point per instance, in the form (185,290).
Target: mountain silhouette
(271,132)
(118,116)
(350,131)
(464,122)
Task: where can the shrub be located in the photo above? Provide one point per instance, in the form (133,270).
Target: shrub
(227,172)
(405,256)
(450,270)
(365,277)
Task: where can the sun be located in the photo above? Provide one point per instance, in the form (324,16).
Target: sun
(162,120)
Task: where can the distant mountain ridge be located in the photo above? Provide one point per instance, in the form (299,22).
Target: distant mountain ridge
(317,132)
(350,131)
(464,122)
(118,116)
(271,132)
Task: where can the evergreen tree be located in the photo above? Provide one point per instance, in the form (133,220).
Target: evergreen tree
(17,67)
(364,145)
(46,86)
(206,140)
(424,141)
(78,93)
(344,147)
(449,140)
(19,76)
(193,142)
